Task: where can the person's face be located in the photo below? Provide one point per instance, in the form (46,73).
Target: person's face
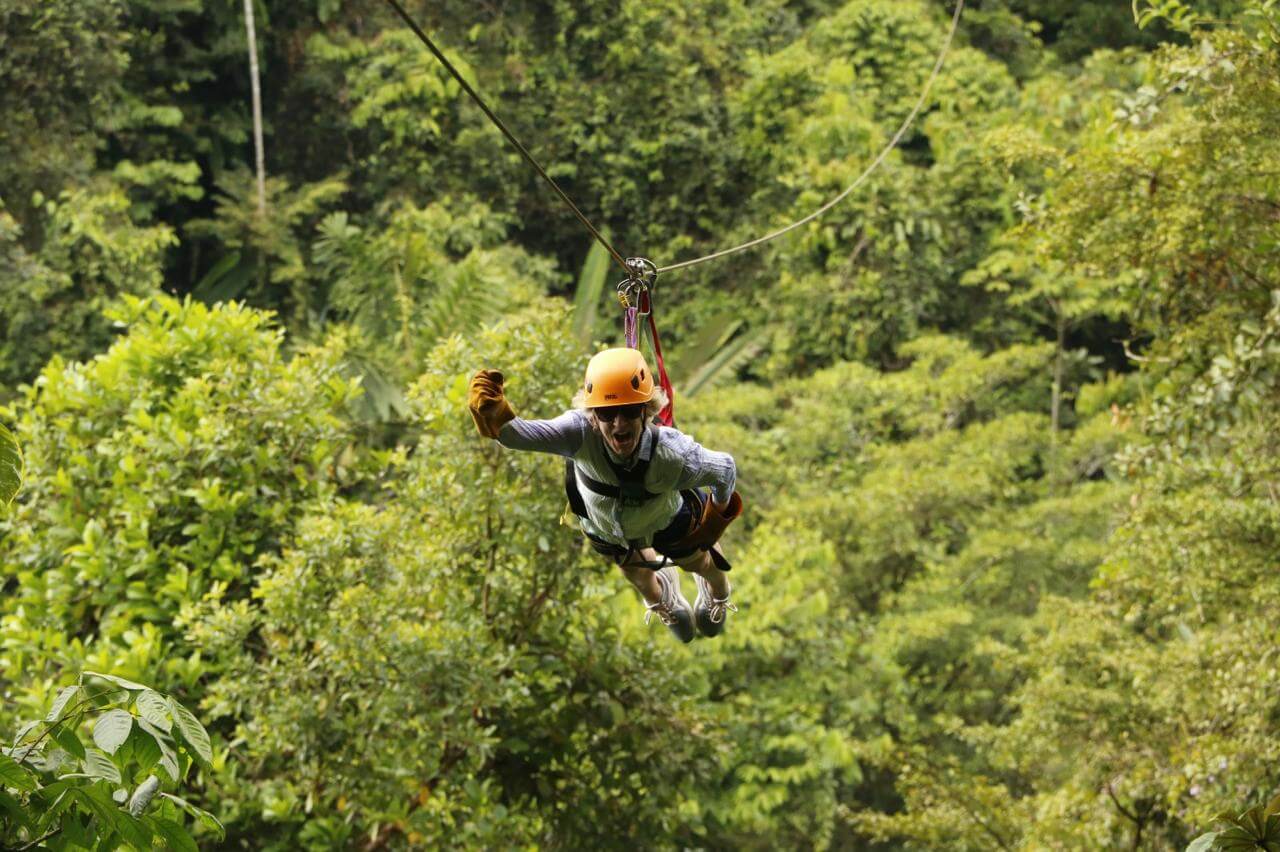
(621,426)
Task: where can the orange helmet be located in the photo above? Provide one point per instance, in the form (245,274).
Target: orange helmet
(618,377)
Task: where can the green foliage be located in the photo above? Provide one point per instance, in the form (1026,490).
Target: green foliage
(157,475)
(591,286)
(442,668)
(873,272)
(89,253)
(914,522)
(404,108)
(59,792)
(271,247)
(1256,828)
(423,274)
(62,52)
(958,628)
(11,465)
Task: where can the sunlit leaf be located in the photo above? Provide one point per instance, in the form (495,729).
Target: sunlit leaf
(112,729)
(99,765)
(192,731)
(10,465)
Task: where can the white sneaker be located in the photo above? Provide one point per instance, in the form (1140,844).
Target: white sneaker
(672,607)
(710,611)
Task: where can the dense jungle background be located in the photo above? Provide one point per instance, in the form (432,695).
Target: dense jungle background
(1006,423)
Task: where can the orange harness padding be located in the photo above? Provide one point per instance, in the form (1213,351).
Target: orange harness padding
(714,521)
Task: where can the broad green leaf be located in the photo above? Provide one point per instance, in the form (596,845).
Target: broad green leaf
(55,809)
(57,758)
(169,762)
(10,466)
(24,730)
(168,757)
(143,747)
(143,795)
(586,298)
(153,708)
(173,834)
(14,776)
(204,816)
(192,731)
(17,814)
(211,278)
(98,801)
(118,681)
(61,701)
(77,829)
(112,729)
(1273,806)
(99,765)
(227,280)
(68,740)
(1203,843)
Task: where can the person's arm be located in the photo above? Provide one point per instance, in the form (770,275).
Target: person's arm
(705,468)
(494,418)
(717,471)
(561,435)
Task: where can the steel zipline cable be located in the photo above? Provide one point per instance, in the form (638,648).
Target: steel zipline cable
(636,266)
(507,133)
(866,173)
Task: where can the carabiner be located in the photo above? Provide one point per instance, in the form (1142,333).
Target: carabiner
(641,281)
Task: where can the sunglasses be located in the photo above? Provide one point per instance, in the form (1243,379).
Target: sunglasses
(626,412)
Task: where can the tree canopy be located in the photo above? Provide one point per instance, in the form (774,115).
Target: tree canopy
(1005,421)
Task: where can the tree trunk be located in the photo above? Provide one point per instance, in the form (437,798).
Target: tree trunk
(257,107)
(1059,365)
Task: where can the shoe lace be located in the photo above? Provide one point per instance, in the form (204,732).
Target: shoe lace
(663,611)
(662,607)
(717,608)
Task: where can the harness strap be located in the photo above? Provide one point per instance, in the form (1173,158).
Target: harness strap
(629,493)
(630,489)
(576,504)
(668,414)
(637,301)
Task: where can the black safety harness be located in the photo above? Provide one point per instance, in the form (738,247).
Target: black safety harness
(629,491)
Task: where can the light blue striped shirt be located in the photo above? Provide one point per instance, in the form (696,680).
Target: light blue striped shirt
(676,462)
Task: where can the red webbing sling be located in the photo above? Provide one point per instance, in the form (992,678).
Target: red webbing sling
(631,329)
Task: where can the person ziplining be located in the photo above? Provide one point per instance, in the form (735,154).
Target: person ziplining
(642,506)
(637,487)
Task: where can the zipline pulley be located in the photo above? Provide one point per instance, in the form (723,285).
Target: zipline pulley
(636,290)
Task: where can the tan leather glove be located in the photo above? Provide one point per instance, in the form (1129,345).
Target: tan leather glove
(716,518)
(489,408)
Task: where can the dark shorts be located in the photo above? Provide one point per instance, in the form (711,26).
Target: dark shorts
(664,540)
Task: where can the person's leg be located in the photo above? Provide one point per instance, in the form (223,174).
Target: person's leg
(660,590)
(699,562)
(640,575)
(712,606)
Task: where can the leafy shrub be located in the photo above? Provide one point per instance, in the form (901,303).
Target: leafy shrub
(156,475)
(98,770)
(90,253)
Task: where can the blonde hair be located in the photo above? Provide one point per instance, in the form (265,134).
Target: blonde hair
(656,403)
